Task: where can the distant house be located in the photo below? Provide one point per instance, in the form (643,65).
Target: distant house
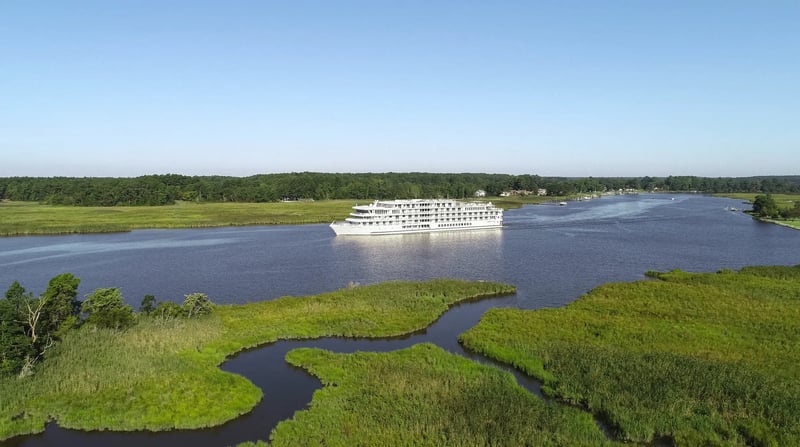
(480,193)
(515,192)
(541,192)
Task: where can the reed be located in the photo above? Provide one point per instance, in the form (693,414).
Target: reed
(163,374)
(701,358)
(424,396)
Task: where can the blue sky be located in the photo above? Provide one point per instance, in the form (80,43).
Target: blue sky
(573,88)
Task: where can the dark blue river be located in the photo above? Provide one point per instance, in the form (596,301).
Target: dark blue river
(553,254)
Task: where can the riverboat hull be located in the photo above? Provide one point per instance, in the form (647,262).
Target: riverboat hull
(344,229)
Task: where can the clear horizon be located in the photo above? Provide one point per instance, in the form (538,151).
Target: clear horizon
(404,172)
(555,89)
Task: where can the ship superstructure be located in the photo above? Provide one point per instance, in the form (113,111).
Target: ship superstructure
(419,216)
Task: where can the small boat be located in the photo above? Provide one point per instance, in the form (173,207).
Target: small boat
(562,203)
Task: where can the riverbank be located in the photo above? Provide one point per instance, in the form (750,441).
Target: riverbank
(28,218)
(785,223)
(34,219)
(700,358)
(784,201)
(164,374)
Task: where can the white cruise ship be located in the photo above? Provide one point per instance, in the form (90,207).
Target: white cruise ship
(418,216)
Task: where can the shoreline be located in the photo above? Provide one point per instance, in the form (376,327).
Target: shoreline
(93,369)
(782,223)
(21,219)
(34,219)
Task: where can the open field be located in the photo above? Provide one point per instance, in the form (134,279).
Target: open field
(163,374)
(784,201)
(706,359)
(28,218)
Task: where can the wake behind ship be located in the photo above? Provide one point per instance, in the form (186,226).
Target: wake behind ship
(418,216)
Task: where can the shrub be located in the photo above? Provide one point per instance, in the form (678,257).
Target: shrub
(196,304)
(167,310)
(106,308)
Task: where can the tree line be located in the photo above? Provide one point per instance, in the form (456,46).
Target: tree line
(30,326)
(170,188)
(765,206)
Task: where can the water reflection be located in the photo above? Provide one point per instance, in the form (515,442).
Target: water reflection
(462,254)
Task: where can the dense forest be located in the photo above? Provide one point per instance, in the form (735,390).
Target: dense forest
(169,188)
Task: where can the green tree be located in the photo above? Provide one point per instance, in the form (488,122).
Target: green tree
(106,308)
(167,310)
(148,304)
(22,341)
(15,292)
(15,345)
(196,304)
(791,213)
(61,306)
(765,206)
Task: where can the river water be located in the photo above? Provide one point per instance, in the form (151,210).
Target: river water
(553,254)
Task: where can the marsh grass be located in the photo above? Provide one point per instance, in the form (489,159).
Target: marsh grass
(702,358)
(163,373)
(28,218)
(424,396)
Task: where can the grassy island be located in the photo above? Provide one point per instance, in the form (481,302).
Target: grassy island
(425,396)
(706,359)
(163,374)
